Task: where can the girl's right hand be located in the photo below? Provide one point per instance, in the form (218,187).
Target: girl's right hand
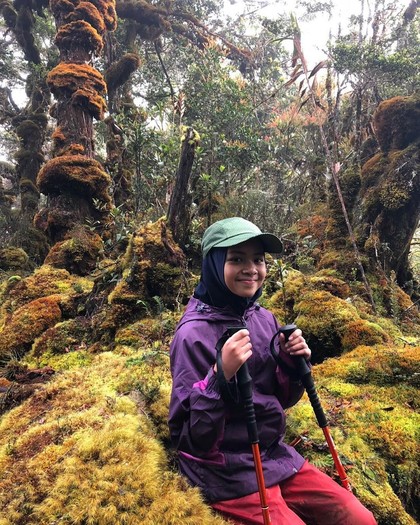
(235,352)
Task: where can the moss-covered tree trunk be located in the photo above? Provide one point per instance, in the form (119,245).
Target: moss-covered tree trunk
(388,209)
(76,184)
(29,123)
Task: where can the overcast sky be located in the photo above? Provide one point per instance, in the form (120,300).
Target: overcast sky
(315,33)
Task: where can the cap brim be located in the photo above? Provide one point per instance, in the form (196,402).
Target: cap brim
(271,243)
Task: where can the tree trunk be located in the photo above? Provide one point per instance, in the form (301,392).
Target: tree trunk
(76,185)
(179,205)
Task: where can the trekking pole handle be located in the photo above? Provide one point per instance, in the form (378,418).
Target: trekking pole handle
(302,367)
(245,388)
(305,375)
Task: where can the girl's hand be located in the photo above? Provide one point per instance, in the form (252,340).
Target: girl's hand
(296,345)
(235,352)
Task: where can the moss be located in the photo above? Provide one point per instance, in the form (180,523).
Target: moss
(393,197)
(26,323)
(80,82)
(107,10)
(283,301)
(365,332)
(74,174)
(78,253)
(45,281)
(330,283)
(82,439)
(66,337)
(27,129)
(27,186)
(119,72)
(374,423)
(89,13)
(32,241)
(378,366)
(153,266)
(13,258)
(343,262)
(332,325)
(314,226)
(372,171)
(396,122)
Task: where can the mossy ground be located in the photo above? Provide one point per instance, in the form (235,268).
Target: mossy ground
(91,445)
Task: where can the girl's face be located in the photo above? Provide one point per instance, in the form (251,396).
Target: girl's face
(245,268)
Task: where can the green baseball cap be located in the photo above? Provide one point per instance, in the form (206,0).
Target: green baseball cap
(233,231)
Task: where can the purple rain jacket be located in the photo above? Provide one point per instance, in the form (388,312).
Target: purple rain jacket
(210,435)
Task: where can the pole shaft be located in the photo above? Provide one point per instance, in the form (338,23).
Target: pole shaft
(261,483)
(338,465)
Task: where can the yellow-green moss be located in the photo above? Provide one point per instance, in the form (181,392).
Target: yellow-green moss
(13,258)
(78,253)
(153,270)
(371,400)
(45,281)
(93,454)
(333,325)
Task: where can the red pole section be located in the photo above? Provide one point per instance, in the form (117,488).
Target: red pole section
(338,465)
(261,483)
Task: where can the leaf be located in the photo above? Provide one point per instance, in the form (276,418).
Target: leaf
(291,80)
(301,84)
(319,66)
(303,103)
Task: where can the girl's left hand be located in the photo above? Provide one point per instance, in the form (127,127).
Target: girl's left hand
(296,345)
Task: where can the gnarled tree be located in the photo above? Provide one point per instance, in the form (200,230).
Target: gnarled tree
(76,184)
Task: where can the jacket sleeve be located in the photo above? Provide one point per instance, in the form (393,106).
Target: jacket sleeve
(197,411)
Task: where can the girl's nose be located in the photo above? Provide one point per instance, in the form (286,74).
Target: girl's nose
(249,267)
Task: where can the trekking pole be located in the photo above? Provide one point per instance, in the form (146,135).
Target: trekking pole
(305,376)
(245,388)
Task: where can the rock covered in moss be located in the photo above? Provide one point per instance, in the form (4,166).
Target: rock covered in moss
(333,325)
(44,281)
(26,323)
(78,253)
(13,258)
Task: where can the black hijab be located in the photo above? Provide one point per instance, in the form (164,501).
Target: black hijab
(212,288)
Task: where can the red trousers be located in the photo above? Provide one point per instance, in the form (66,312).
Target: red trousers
(309,497)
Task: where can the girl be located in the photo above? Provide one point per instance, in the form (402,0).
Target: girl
(208,425)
